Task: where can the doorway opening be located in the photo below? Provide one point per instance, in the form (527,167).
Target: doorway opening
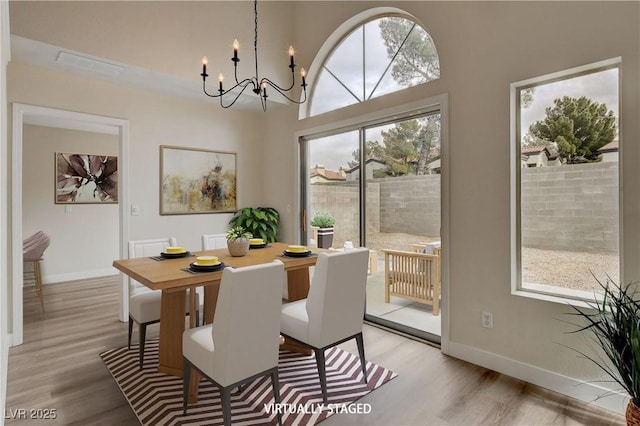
(62,119)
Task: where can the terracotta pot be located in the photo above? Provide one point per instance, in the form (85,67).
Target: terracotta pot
(632,414)
(239,247)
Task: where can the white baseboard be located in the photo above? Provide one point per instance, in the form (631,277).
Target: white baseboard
(72,276)
(587,392)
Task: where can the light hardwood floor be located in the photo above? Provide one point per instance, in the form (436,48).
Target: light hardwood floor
(59,367)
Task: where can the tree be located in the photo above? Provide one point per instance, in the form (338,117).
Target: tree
(526,97)
(406,148)
(400,146)
(416,58)
(373,149)
(409,145)
(579,127)
(428,143)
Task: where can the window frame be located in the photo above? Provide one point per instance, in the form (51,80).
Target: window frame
(538,291)
(338,42)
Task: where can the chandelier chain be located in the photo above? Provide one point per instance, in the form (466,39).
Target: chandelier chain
(255,38)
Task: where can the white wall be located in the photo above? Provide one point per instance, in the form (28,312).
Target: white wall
(84,237)
(154,120)
(483,47)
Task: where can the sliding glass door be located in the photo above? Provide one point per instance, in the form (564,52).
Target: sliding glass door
(381,184)
(333,190)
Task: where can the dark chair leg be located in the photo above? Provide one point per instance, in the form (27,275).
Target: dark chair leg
(186,383)
(322,372)
(130,331)
(276,392)
(143,336)
(363,362)
(225,393)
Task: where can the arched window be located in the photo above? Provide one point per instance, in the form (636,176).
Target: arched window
(380,56)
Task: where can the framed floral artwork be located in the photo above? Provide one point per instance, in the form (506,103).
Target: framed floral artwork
(196,181)
(86,178)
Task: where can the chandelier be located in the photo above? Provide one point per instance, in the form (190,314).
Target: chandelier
(258,85)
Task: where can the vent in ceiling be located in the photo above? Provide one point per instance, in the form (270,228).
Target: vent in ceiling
(88,64)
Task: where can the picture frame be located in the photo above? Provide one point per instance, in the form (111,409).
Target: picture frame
(86,178)
(197,181)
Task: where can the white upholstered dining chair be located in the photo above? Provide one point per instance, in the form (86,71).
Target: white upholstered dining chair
(210,242)
(214,241)
(242,344)
(334,310)
(144,303)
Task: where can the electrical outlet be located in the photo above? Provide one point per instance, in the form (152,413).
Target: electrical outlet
(487,320)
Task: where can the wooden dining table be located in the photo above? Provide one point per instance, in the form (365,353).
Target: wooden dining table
(173,277)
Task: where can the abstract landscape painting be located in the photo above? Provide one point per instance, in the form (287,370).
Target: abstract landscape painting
(196,181)
(86,178)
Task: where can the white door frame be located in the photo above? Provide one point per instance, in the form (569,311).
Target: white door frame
(50,117)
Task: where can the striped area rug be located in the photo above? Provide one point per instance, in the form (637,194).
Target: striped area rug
(156,398)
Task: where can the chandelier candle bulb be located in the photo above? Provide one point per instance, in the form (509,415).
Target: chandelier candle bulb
(291,52)
(236,46)
(205,61)
(220,78)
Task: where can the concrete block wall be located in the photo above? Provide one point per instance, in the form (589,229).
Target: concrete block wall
(410,204)
(342,201)
(571,207)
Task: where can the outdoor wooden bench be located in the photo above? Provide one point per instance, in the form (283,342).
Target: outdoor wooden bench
(412,276)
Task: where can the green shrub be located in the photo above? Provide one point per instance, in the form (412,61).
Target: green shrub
(323,219)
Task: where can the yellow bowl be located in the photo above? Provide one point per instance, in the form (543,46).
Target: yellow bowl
(175,250)
(297,249)
(207,260)
(256,241)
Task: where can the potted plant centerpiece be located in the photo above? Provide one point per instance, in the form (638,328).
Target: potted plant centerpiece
(324,221)
(614,324)
(238,241)
(262,222)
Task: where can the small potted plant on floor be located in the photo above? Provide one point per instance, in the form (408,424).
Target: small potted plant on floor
(614,324)
(238,241)
(324,221)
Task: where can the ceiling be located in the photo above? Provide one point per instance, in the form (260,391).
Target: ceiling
(163,58)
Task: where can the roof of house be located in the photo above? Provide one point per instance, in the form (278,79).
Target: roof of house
(536,149)
(367,161)
(327,174)
(610,147)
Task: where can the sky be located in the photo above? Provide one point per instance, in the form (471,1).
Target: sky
(336,151)
(601,87)
(347,64)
